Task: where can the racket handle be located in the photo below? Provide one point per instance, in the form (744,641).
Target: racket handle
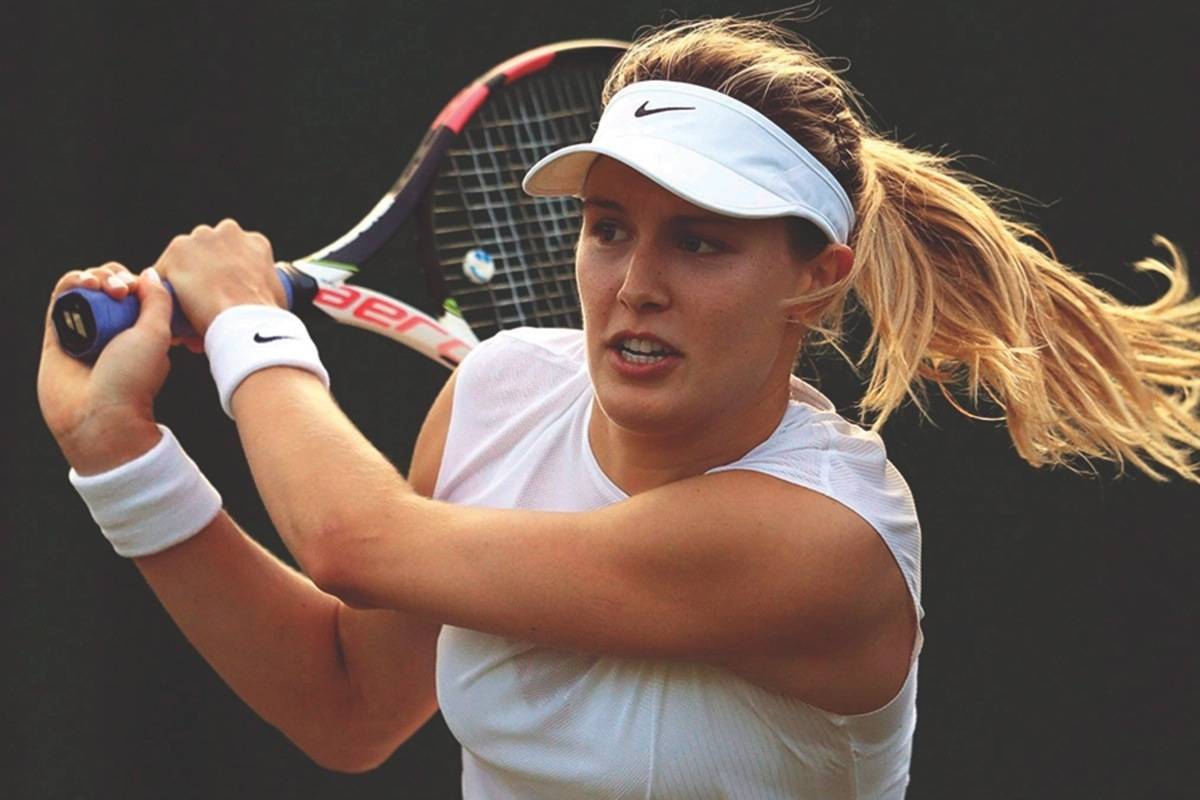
(87,319)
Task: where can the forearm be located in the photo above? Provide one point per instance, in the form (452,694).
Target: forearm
(267,630)
(318,476)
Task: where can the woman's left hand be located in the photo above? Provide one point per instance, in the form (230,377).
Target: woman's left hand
(212,269)
(102,414)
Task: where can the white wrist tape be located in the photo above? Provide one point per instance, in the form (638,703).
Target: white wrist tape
(150,503)
(245,339)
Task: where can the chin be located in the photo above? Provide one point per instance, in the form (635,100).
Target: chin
(642,409)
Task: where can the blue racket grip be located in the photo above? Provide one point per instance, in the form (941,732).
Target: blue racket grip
(87,319)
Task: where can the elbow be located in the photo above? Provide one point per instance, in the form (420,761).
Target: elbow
(332,575)
(345,556)
(333,563)
(318,556)
(351,763)
(351,758)
(345,740)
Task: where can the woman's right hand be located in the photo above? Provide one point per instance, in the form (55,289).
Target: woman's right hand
(102,414)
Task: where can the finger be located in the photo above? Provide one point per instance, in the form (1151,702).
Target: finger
(156,304)
(123,272)
(85,279)
(69,280)
(112,268)
(115,280)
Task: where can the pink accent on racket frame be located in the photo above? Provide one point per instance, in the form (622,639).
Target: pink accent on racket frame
(459,111)
(366,308)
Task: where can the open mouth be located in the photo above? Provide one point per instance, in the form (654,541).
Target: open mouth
(642,349)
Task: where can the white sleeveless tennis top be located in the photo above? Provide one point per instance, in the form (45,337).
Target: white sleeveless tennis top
(536,722)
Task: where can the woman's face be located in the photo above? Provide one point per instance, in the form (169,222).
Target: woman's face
(683,308)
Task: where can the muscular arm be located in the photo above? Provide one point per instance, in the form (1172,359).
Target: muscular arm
(346,685)
(713,566)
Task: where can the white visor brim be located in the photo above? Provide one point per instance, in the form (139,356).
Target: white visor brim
(696,178)
(708,148)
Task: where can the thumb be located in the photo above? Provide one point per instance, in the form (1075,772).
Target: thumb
(157,304)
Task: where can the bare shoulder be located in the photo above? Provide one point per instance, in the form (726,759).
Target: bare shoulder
(778,570)
(856,654)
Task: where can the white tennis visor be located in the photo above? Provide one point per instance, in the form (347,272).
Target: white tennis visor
(711,150)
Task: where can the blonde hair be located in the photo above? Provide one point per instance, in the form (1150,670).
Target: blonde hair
(960,292)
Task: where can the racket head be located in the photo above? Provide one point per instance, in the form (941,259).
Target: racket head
(476,212)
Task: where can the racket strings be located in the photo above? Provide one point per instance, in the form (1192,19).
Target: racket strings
(478,204)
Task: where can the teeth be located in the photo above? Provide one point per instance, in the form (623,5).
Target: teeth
(643,346)
(635,358)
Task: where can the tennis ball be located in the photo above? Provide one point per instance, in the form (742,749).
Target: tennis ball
(478,266)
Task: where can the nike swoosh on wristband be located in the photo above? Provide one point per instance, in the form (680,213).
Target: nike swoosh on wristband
(258,337)
(642,111)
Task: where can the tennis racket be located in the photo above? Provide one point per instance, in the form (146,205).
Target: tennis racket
(493,257)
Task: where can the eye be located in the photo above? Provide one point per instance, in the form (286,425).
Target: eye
(697,246)
(608,231)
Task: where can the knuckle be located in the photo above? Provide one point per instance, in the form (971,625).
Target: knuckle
(228,224)
(68,278)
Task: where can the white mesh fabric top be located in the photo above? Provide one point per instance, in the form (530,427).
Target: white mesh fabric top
(536,722)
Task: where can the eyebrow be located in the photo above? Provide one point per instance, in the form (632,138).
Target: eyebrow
(601,202)
(706,218)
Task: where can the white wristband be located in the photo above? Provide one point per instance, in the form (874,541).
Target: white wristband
(245,339)
(150,503)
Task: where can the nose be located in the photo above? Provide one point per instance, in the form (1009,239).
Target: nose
(644,287)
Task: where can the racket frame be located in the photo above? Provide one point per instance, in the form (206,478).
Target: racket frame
(446,338)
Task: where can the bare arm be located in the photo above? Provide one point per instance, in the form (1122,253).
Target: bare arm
(347,685)
(266,629)
(303,660)
(723,565)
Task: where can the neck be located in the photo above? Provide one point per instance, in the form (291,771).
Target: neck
(637,461)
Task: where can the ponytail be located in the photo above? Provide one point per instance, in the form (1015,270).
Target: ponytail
(960,296)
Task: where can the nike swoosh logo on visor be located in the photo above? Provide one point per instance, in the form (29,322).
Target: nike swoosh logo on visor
(258,337)
(642,111)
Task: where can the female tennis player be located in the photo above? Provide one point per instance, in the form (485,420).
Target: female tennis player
(641,560)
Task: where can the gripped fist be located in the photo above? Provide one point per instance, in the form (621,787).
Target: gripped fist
(102,414)
(212,269)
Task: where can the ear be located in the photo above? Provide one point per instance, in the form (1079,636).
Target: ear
(830,266)
(826,268)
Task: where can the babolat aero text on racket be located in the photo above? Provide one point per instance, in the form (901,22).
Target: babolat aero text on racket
(494,257)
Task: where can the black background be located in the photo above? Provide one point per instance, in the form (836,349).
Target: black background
(1061,658)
